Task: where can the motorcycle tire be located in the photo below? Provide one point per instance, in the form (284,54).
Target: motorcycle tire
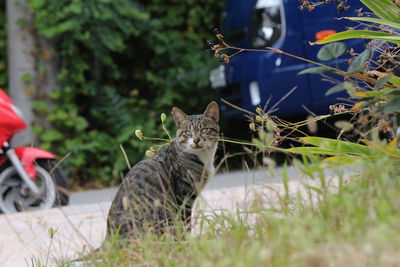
(51,179)
(62,194)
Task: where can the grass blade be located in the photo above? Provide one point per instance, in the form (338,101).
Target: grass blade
(363,34)
(385,9)
(377,21)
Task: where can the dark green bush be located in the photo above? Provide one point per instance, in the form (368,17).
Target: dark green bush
(120,63)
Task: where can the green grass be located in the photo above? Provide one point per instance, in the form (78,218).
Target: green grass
(356,225)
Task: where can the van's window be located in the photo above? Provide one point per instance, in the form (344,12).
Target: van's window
(267,22)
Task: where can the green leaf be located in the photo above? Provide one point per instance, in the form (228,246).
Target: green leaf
(392,106)
(315,189)
(359,62)
(62,27)
(344,126)
(315,70)
(341,160)
(61,115)
(81,123)
(385,9)
(52,135)
(384,36)
(40,106)
(390,92)
(26,78)
(339,146)
(311,150)
(339,87)
(395,80)
(377,21)
(331,51)
(285,179)
(379,84)
(54,94)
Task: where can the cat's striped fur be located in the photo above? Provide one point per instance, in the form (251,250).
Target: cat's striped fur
(159,191)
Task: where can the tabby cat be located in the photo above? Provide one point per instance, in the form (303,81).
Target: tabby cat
(159,191)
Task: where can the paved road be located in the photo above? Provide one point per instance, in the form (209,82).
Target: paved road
(227,180)
(220,181)
(92,196)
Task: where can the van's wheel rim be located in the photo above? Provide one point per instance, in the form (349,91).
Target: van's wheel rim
(15,196)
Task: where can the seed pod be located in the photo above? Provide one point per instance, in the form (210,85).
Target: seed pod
(252,126)
(163,117)
(149,153)
(312,124)
(139,134)
(52,232)
(270,125)
(210,43)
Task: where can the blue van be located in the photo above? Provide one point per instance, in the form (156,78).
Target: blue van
(250,79)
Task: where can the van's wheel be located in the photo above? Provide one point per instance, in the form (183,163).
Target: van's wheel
(15,195)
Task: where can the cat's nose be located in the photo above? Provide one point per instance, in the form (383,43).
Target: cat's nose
(196,140)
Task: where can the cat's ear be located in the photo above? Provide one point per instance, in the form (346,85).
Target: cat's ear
(179,116)
(212,111)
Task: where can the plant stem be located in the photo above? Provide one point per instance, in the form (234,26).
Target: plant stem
(334,70)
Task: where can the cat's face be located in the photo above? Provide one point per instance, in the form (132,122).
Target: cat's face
(197,132)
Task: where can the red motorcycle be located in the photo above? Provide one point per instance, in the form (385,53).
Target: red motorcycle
(29,176)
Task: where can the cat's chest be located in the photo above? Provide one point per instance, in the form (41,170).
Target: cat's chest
(208,170)
(207,158)
(198,168)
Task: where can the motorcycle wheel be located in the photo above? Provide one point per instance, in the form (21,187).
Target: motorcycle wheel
(62,194)
(15,195)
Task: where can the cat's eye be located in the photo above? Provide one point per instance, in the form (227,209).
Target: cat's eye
(204,130)
(188,133)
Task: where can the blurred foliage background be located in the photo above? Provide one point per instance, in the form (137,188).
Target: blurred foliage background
(120,63)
